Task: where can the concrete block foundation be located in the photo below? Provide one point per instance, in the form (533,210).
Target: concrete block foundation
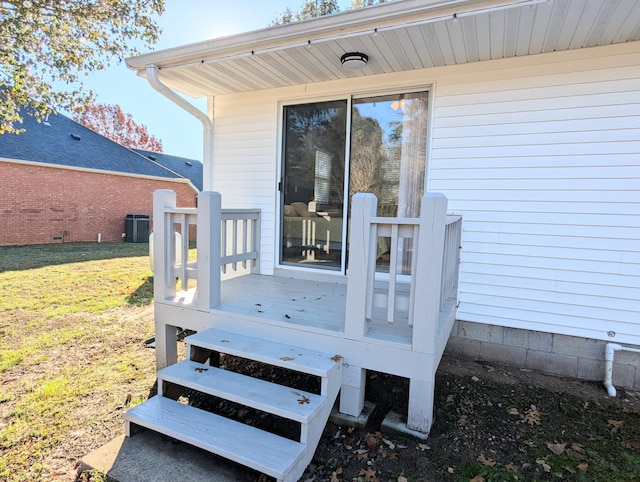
(561,355)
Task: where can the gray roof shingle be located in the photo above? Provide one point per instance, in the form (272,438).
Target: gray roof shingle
(64,142)
(188,168)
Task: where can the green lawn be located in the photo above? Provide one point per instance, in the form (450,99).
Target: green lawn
(73,320)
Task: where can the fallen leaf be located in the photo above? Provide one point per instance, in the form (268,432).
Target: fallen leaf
(303,400)
(423,447)
(287,358)
(335,473)
(583,467)
(568,469)
(532,417)
(513,411)
(475,378)
(477,478)
(544,464)
(200,370)
(287,316)
(451,470)
(556,448)
(511,467)
(633,445)
(402,478)
(616,425)
(336,358)
(369,473)
(225,341)
(361,454)
(389,443)
(485,461)
(577,447)
(372,439)
(490,369)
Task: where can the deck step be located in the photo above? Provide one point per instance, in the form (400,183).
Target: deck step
(249,446)
(269,397)
(277,354)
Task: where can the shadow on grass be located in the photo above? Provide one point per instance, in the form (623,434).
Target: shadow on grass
(16,258)
(143,295)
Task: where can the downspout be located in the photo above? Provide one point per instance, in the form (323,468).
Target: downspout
(207,124)
(609,355)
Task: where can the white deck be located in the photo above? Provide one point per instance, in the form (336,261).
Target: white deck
(314,304)
(396,322)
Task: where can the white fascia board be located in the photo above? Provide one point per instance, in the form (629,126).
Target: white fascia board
(362,20)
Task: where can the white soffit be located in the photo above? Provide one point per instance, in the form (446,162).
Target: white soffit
(397,36)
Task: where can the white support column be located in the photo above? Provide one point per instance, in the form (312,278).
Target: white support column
(421,399)
(359,284)
(166,345)
(164,285)
(428,275)
(209,244)
(353,390)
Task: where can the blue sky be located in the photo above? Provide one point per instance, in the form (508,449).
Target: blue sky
(184,22)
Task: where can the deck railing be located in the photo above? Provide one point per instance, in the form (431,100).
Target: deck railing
(423,257)
(225,239)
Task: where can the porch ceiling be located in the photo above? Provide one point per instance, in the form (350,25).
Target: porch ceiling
(397,36)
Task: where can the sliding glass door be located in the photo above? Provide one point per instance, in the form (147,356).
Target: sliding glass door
(313,184)
(387,157)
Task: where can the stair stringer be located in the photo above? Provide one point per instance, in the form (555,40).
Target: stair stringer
(311,433)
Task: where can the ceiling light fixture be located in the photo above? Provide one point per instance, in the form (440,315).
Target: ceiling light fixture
(354,60)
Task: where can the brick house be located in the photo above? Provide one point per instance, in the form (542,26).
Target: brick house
(64,182)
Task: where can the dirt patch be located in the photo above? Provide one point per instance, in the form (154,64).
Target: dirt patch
(491,423)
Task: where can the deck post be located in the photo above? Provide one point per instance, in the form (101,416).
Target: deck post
(428,277)
(164,285)
(359,275)
(166,345)
(352,390)
(208,241)
(421,400)
(256,231)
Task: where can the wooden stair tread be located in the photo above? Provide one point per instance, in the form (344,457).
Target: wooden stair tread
(277,354)
(269,397)
(249,446)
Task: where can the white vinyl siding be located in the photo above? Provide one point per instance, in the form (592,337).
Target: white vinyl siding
(541,156)
(244,160)
(544,165)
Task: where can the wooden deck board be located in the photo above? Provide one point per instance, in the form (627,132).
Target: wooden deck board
(309,303)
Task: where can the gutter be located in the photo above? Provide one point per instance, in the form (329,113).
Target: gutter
(207,123)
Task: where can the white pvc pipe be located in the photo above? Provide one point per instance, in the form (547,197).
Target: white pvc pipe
(609,355)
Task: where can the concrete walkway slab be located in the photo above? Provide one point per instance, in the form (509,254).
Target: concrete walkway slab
(151,457)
